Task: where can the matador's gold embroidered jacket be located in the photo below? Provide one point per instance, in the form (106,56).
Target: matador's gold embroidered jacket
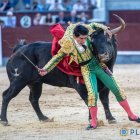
(68,46)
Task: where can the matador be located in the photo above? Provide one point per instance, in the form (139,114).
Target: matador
(76,44)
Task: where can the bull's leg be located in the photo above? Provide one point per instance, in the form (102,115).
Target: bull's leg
(4,120)
(80,88)
(82,91)
(103,95)
(11,92)
(35,93)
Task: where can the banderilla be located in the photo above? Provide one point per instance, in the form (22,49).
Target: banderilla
(29,60)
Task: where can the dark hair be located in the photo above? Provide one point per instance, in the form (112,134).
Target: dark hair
(80,30)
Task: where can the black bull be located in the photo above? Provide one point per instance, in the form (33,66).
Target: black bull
(21,73)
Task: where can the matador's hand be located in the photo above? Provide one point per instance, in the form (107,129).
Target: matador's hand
(42,72)
(107,70)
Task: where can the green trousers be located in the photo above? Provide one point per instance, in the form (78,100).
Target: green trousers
(90,73)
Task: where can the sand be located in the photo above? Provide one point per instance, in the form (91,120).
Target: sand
(70,113)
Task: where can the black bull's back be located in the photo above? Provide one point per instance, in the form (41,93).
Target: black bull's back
(39,53)
(21,73)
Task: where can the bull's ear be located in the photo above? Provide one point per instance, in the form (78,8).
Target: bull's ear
(92,35)
(99,30)
(95,33)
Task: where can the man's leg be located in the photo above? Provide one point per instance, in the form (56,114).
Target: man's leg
(91,85)
(110,82)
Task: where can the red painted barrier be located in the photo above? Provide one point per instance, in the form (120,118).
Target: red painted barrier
(129,16)
(128,40)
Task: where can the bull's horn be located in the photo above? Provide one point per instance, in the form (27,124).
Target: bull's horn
(121,27)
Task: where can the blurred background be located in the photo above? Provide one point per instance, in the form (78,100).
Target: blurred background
(31,19)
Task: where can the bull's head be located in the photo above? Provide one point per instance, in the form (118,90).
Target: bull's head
(103,45)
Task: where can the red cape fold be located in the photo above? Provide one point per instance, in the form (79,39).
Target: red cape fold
(71,69)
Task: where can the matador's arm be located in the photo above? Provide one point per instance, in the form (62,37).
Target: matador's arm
(65,49)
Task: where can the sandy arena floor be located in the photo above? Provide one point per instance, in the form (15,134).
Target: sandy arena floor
(70,113)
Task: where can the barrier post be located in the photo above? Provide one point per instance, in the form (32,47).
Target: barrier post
(0,46)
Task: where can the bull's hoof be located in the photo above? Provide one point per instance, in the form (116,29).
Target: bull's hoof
(4,123)
(47,119)
(100,123)
(112,121)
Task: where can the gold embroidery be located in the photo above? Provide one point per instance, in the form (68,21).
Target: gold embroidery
(98,25)
(68,46)
(91,95)
(54,61)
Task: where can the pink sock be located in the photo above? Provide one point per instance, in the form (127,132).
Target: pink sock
(126,107)
(93,112)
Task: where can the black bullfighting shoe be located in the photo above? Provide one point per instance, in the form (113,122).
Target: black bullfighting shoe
(136,120)
(89,127)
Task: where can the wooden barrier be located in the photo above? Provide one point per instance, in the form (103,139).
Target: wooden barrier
(128,40)
(129,16)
